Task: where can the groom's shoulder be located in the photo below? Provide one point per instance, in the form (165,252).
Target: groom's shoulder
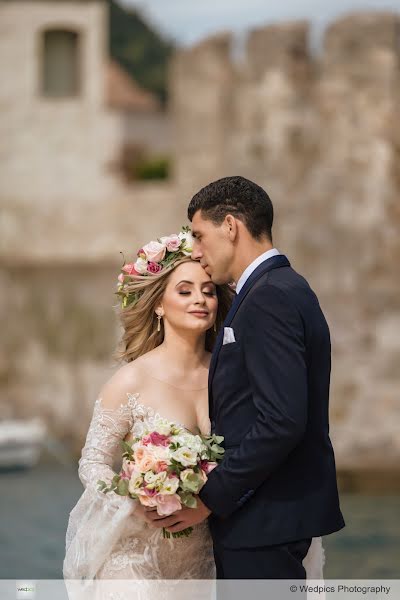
(284,278)
(283,285)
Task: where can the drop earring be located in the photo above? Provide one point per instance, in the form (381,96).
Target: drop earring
(215,327)
(159,317)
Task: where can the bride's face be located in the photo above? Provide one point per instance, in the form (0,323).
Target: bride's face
(190,299)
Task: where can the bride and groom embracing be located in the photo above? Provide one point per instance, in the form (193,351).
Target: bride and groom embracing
(251,365)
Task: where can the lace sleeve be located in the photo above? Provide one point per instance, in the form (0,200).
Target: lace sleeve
(107,429)
(98,520)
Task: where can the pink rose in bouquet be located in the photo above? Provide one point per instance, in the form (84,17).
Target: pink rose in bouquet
(168,504)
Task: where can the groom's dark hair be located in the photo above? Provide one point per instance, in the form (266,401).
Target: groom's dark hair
(239,197)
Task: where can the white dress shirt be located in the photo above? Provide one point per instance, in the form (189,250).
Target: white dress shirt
(253,266)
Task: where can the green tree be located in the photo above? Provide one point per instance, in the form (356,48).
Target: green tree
(141,50)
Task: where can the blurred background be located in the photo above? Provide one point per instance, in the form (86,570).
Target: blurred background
(112,116)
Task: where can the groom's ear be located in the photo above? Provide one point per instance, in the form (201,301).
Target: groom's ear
(231,227)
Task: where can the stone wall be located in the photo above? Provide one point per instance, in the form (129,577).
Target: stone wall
(321,134)
(65,217)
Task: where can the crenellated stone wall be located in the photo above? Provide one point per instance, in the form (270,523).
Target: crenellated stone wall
(320,131)
(321,134)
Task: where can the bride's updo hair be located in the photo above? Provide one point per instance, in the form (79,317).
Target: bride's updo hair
(139,320)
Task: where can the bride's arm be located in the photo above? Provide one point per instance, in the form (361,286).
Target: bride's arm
(111,421)
(98,520)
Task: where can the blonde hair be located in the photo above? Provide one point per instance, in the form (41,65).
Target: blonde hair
(139,321)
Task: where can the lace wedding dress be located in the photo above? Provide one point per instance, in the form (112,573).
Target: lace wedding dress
(105,540)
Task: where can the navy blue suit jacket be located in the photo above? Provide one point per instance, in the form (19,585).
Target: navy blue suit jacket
(269,398)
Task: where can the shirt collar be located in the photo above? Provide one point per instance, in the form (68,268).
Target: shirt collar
(253,266)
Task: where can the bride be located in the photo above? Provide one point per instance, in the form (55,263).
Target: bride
(170,314)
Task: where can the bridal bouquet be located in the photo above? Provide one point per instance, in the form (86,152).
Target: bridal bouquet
(165,468)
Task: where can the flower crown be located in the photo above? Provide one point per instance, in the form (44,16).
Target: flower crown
(152,259)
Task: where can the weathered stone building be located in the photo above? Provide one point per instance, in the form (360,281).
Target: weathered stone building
(319,131)
(60,132)
(57,136)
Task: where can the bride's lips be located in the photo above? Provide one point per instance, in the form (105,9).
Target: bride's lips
(199,313)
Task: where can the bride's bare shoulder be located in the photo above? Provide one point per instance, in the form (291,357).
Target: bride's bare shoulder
(126,380)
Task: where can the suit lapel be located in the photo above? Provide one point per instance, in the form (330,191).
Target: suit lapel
(269,264)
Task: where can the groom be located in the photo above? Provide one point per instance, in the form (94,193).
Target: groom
(269,396)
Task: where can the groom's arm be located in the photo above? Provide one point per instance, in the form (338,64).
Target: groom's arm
(274,355)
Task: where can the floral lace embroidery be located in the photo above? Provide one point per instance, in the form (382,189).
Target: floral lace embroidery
(144,417)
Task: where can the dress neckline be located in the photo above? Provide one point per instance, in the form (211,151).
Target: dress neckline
(152,413)
(142,410)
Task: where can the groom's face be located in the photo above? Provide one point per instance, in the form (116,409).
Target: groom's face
(212,247)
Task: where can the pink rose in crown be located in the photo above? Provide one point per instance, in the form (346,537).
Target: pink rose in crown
(153,267)
(141,266)
(168,504)
(154,251)
(172,242)
(130,269)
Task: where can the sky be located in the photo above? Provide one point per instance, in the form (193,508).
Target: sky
(188,21)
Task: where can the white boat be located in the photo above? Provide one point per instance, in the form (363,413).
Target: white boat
(21,442)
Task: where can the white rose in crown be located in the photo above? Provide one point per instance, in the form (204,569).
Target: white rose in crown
(187,239)
(141,265)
